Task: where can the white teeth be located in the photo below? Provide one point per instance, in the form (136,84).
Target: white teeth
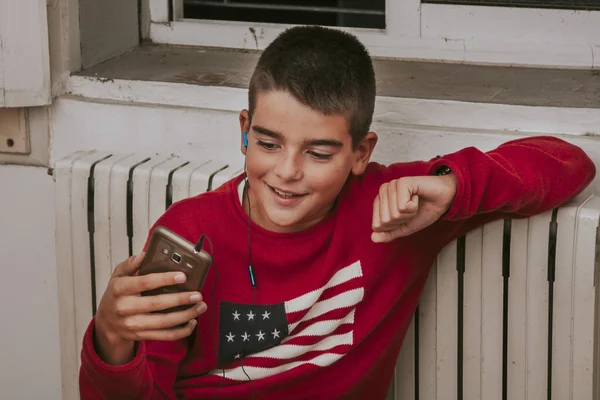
(284,194)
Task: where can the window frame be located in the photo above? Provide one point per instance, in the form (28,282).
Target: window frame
(433,32)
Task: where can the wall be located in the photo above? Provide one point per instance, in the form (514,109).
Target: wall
(83,125)
(198,133)
(29,339)
(30,366)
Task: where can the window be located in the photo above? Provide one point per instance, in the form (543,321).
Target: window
(563,33)
(348,13)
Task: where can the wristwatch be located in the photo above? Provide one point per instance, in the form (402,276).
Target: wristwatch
(443,170)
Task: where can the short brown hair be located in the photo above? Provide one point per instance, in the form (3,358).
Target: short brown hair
(324,68)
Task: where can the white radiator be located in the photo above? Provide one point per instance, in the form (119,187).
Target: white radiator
(509,311)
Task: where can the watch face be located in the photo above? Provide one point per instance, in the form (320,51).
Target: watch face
(444,170)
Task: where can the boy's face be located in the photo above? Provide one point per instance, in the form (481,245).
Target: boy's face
(297,161)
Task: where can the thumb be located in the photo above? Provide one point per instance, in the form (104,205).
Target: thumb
(382,237)
(130,265)
(418,222)
(401,231)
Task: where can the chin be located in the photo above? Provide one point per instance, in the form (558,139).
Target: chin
(286,223)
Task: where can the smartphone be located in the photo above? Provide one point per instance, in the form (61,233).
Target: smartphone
(168,252)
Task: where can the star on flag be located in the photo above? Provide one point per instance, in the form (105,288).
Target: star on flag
(247,328)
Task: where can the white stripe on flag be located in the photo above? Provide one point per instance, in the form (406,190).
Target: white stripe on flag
(305,301)
(288,351)
(323,328)
(256,373)
(342,300)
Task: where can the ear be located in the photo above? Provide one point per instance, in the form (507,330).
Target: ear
(363,153)
(244,127)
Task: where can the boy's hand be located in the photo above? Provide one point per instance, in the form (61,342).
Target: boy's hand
(407,205)
(124,316)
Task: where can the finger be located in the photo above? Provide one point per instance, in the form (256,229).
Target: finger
(412,206)
(129,266)
(155,321)
(396,223)
(132,305)
(130,285)
(412,225)
(384,208)
(376,219)
(398,218)
(168,334)
(393,202)
(408,200)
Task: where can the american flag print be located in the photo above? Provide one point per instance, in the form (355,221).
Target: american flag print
(316,328)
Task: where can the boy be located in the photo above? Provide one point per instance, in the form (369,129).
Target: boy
(339,247)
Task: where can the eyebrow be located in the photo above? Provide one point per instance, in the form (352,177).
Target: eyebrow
(309,142)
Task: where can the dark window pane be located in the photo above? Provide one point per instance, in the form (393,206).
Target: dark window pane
(347,13)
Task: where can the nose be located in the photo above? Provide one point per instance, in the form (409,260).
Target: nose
(289,167)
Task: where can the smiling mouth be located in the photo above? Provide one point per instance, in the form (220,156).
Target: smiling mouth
(287,195)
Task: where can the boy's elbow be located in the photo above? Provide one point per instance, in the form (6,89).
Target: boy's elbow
(578,162)
(582,171)
(586,166)
(592,170)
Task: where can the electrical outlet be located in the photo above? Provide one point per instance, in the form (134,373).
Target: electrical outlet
(14,132)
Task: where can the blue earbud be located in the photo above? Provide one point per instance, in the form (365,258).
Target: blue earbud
(245,134)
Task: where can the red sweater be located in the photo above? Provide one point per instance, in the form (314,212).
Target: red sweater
(332,307)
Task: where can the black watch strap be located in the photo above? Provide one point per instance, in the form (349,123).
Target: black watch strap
(443,170)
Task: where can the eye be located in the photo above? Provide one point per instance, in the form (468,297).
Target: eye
(321,156)
(267,145)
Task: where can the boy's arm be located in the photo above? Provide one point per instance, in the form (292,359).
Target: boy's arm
(521,177)
(152,372)
(148,376)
